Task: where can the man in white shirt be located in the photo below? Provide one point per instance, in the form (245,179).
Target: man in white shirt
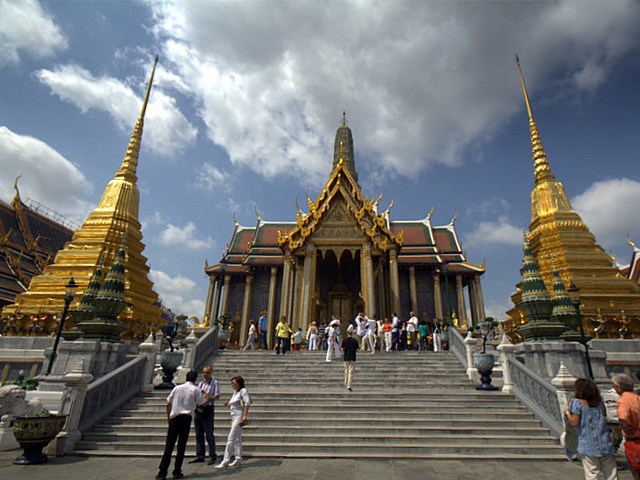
(181,403)
(203,420)
(369,340)
(412,330)
(361,328)
(395,332)
(333,346)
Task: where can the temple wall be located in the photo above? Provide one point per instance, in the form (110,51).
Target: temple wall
(424,287)
(405,293)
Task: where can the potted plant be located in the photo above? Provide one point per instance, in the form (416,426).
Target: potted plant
(484,361)
(170,360)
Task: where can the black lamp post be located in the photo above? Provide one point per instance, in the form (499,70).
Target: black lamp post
(69,290)
(574,294)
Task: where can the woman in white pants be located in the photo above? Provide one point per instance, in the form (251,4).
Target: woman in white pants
(239,407)
(332,340)
(251,339)
(312,337)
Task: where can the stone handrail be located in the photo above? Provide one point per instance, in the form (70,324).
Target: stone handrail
(207,344)
(457,346)
(112,390)
(539,395)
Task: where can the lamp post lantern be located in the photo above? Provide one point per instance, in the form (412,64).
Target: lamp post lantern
(574,294)
(70,290)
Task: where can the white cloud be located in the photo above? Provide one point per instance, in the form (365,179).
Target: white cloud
(47,176)
(271,93)
(178,293)
(184,237)
(211,177)
(25,26)
(610,210)
(166,131)
(494,234)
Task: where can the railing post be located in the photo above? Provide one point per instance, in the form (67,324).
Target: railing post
(76,383)
(564,382)
(189,357)
(505,350)
(470,345)
(149,349)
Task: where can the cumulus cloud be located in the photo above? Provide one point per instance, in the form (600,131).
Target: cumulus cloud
(184,237)
(167,131)
(211,177)
(26,27)
(420,81)
(47,176)
(494,233)
(178,293)
(609,208)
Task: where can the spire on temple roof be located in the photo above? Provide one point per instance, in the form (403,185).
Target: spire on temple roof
(130,161)
(343,148)
(542,170)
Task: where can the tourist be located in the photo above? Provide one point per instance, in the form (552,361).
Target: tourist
(322,335)
(312,337)
(369,339)
(587,411)
(395,332)
(333,347)
(282,332)
(349,347)
(181,403)
(412,330)
(380,335)
(251,337)
(239,408)
(297,340)
(262,332)
(437,335)
(362,322)
(423,329)
(204,416)
(388,335)
(402,341)
(628,408)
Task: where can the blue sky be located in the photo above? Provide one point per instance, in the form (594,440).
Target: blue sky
(248,96)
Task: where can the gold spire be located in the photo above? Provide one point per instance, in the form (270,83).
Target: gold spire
(542,170)
(130,161)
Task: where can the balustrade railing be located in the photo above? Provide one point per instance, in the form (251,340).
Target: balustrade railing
(109,392)
(457,346)
(207,344)
(537,394)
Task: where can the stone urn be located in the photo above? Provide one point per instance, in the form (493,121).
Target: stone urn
(169,361)
(33,433)
(484,363)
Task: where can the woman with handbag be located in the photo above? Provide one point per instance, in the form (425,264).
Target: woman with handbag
(587,411)
(239,408)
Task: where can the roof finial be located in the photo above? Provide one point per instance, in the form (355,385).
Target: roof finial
(130,162)
(344,117)
(17,197)
(541,166)
(341,151)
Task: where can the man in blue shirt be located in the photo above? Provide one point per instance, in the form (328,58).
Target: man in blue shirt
(262,331)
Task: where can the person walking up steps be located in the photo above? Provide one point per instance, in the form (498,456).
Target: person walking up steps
(349,347)
(333,347)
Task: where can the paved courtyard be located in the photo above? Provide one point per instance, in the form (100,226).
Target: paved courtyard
(85,468)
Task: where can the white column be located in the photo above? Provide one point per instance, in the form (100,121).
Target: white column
(437,295)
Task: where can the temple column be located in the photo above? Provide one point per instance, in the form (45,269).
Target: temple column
(437,295)
(395,281)
(308,284)
(216,300)
(225,294)
(246,309)
(286,286)
(479,298)
(271,314)
(473,303)
(412,289)
(368,293)
(206,318)
(462,307)
(297,297)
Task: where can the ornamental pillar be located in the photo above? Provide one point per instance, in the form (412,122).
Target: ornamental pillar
(271,308)
(462,307)
(413,291)
(473,303)
(286,285)
(480,298)
(225,294)
(215,313)
(366,275)
(308,285)
(246,309)
(206,318)
(395,281)
(437,295)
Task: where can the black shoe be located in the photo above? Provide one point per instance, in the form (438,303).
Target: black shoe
(178,475)
(212,460)
(197,460)
(350,389)
(161,476)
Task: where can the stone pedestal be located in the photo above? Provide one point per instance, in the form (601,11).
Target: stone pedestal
(545,358)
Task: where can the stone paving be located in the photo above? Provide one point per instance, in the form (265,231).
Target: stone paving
(73,467)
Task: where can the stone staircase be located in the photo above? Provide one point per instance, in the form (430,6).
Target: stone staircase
(403,405)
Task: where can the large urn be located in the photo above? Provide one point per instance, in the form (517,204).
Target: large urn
(483,362)
(33,433)
(169,361)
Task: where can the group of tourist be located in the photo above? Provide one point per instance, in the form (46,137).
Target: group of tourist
(187,402)
(587,412)
(371,334)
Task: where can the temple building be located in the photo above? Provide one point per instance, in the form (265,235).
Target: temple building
(30,236)
(95,244)
(341,257)
(557,232)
